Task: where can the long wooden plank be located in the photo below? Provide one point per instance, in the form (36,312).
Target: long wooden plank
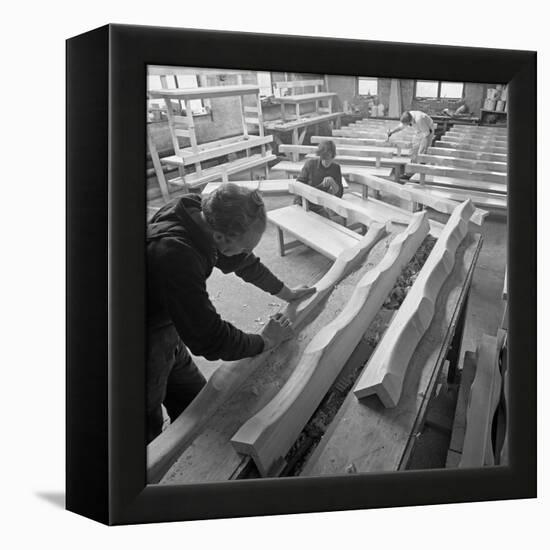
(468,146)
(234,167)
(489,201)
(269,434)
(385,372)
(415,194)
(296,168)
(292,84)
(304,98)
(190,157)
(165,449)
(484,165)
(304,121)
(367,437)
(462,173)
(461,183)
(393,142)
(207,91)
(360,144)
(483,139)
(369,161)
(477,450)
(377,152)
(472,155)
(382,212)
(350,211)
(265,187)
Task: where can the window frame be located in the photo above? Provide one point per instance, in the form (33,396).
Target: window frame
(368,78)
(438,97)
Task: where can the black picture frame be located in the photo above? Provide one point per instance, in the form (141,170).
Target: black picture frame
(106,203)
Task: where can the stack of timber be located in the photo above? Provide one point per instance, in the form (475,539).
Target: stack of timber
(270,433)
(196,447)
(365,436)
(375,132)
(385,372)
(195,154)
(466,163)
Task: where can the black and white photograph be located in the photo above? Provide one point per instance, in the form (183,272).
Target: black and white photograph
(326,274)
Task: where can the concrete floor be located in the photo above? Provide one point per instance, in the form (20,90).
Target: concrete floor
(248,308)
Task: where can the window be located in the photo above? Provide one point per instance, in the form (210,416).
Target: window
(451,90)
(154,82)
(264,82)
(427,89)
(367,86)
(432,89)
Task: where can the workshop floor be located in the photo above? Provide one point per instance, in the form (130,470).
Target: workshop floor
(248,308)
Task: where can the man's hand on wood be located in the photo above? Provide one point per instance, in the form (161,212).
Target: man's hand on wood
(277,330)
(295,294)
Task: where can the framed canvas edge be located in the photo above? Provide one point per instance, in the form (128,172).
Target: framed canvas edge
(130,500)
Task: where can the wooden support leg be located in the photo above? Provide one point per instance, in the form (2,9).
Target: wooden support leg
(453,355)
(158,168)
(295,141)
(281,241)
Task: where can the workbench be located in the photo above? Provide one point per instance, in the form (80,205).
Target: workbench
(363,433)
(299,126)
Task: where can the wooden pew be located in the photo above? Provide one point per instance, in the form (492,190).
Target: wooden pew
(468,144)
(464,154)
(498,179)
(457,162)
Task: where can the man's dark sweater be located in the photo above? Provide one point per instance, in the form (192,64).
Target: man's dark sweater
(313,173)
(180,258)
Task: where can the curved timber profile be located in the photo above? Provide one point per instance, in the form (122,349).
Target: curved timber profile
(269,434)
(163,451)
(386,369)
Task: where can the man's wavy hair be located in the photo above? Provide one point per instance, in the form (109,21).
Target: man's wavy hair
(233,210)
(326,149)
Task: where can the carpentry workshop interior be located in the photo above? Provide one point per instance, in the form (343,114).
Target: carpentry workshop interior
(389,198)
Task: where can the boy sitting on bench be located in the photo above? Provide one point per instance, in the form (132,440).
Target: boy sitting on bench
(324,174)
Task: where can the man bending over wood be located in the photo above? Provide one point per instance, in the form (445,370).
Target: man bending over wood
(424,126)
(186,239)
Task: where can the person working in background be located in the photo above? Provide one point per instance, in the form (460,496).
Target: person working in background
(424,127)
(324,174)
(186,239)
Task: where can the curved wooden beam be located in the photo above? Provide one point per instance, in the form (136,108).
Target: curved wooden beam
(269,434)
(163,451)
(386,369)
